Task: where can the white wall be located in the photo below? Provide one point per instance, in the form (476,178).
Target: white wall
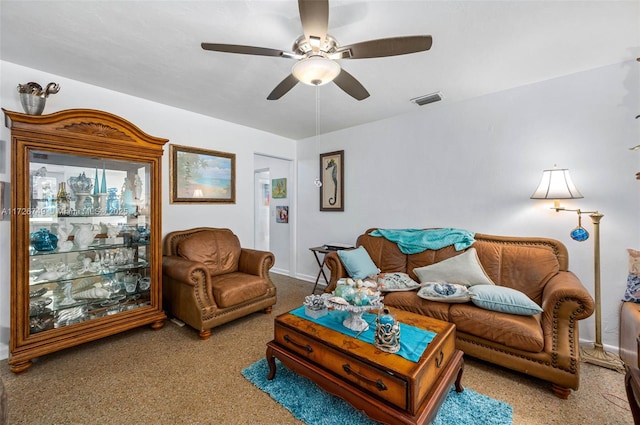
(475,164)
(179,126)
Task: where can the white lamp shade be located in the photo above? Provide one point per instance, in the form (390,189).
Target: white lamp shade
(556,184)
(315,70)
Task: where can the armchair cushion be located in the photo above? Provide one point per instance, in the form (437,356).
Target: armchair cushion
(236,288)
(219,251)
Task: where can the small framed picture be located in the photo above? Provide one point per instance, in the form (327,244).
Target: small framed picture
(332,178)
(279,188)
(282,214)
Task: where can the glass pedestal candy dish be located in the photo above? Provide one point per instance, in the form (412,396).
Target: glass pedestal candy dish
(355,298)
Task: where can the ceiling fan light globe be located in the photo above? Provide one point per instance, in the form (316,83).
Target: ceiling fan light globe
(315,70)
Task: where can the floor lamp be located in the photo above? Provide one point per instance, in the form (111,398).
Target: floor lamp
(556,184)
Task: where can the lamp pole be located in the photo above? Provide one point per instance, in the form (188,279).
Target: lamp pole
(597,355)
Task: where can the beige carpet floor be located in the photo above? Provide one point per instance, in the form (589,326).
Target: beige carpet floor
(171,377)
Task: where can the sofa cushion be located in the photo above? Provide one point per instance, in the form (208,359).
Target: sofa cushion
(525,268)
(445,292)
(397,281)
(232,289)
(358,263)
(218,250)
(503,299)
(464,269)
(384,253)
(518,332)
(409,301)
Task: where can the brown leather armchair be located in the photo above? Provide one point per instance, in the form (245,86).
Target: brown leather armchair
(208,279)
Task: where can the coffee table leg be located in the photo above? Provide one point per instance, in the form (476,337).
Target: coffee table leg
(272,363)
(458,384)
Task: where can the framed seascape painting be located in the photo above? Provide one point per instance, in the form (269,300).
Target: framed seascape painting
(201,176)
(332,178)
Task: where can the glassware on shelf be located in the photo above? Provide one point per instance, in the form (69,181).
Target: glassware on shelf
(43,240)
(113,202)
(63,201)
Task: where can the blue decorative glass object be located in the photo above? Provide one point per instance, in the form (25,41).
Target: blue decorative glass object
(43,240)
(579,234)
(113,201)
(103,184)
(96,187)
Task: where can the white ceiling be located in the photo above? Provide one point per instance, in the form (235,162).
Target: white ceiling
(151,49)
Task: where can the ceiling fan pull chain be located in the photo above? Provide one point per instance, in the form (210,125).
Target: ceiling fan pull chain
(317,180)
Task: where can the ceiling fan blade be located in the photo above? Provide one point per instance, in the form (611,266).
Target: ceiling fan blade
(351,86)
(282,88)
(244,50)
(386,47)
(314,15)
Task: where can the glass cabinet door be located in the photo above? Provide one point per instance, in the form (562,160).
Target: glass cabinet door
(89,238)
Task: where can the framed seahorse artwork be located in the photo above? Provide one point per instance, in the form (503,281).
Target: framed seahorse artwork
(332,179)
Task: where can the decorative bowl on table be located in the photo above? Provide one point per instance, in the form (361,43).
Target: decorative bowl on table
(356,298)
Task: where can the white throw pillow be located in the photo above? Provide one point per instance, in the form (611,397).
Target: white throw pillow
(445,292)
(464,269)
(397,281)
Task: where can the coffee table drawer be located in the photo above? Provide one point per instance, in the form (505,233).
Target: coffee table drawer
(376,381)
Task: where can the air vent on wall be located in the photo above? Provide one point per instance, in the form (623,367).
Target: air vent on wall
(428,98)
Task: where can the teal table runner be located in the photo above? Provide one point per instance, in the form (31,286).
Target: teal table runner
(413,341)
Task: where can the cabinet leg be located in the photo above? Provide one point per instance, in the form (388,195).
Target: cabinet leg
(205,334)
(21,367)
(157,325)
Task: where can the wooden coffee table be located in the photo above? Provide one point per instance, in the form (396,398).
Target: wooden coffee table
(387,387)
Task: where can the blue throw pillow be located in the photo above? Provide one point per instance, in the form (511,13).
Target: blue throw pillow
(358,263)
(503,299)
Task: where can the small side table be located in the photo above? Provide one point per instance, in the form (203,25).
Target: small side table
(321,250)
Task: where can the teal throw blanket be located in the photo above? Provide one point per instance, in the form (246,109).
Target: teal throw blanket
(413,241)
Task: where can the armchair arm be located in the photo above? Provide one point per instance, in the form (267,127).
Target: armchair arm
(256,262)
(189,278)
(564,301)
(333,263)
(184,270)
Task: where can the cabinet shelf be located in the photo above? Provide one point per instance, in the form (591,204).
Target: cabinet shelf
(73,294)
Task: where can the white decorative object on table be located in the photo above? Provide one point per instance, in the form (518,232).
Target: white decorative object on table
(314,305)
(355,297)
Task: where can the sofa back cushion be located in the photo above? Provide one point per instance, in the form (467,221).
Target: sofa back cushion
(219,250)
(385,254)
(526,268)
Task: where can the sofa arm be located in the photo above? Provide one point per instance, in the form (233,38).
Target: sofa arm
(564,301)
(333,263)
(256,262)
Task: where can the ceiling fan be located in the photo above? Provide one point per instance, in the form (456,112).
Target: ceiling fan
(316,52)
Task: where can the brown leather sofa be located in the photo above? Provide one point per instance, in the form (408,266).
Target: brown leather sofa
(208,279)
(544,345)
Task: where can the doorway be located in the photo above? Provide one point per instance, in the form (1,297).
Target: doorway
(274,210)
(262,200)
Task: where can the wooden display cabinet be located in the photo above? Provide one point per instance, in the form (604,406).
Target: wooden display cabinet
(91,180)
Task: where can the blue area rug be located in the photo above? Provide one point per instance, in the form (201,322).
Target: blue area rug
(310,404)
